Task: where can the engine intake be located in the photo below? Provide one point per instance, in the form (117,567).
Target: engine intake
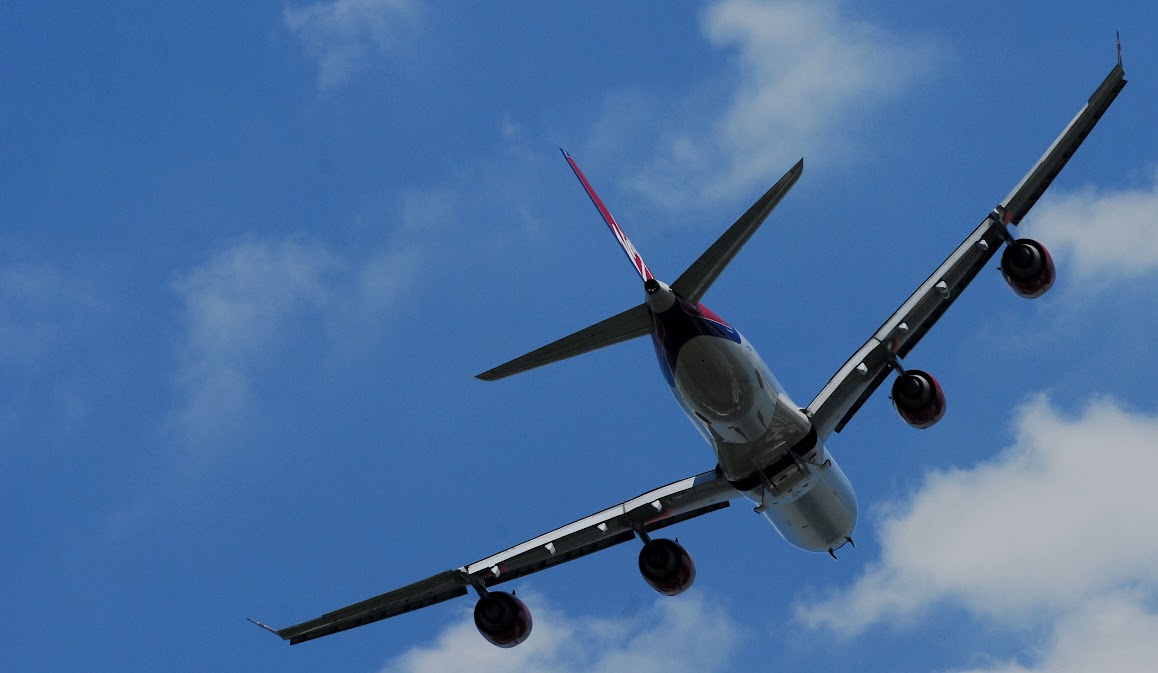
(502,619)
(1028,268)
(918,398)
(666,566)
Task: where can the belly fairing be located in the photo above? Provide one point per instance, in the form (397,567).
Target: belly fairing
(815,508)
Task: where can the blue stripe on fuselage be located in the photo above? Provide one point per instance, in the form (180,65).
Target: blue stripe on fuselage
(680,324)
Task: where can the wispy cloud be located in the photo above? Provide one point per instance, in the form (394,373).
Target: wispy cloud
(1037,534)
(1108,234)
(38,305)
(249,300)
(342,35)
(689,634)
(802,69)
(236,305)
(49,321)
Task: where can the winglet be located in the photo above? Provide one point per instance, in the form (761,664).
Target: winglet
(264,626)
(1118,35)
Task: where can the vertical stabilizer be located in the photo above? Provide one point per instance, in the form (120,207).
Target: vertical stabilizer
(624,242)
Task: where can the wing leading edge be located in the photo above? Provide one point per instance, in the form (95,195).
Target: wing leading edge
(658,508)
(870,365)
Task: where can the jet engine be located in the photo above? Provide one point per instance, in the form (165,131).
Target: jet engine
(666,566)
(918,398)
(1028,268)
(502,619)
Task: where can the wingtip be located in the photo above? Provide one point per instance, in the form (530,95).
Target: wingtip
(264,626)
(564,153)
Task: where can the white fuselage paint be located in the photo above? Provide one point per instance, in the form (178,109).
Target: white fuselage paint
(734,400)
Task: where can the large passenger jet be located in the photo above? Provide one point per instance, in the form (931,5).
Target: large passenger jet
(767,448)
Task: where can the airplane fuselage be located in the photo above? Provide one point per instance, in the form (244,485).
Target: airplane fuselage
(765,445)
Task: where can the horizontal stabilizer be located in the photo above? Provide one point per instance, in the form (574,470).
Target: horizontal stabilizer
(632,323)
(694,282)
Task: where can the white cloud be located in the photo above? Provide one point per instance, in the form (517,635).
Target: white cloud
(1064,516)
(688,634)
(343,34)
(1107,234)
(803,69)
(236,305)
(1112,633)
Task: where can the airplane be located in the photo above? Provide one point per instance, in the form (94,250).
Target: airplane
(767,449)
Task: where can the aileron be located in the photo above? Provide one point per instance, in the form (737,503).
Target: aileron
(1023,197)
(436,589)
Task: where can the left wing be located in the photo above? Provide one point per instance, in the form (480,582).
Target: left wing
(655,509)
(870,365)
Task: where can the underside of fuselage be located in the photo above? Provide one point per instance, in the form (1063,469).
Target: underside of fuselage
(764,444)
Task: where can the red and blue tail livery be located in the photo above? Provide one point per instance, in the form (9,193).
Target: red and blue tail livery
(624,242)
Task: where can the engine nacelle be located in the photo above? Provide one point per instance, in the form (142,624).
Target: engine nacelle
(918,398)
(502,619)
(1028,268)
(666,566)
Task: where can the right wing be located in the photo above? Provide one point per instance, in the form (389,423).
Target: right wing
(870,365)
(661,507)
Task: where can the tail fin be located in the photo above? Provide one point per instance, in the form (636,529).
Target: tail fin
(692,285)
(624,242)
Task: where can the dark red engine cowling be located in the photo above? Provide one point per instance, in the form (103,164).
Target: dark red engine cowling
(1028,268)
(502,619)
(918,398)
(666,566)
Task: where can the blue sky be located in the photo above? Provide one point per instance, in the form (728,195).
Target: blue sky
(253,254)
